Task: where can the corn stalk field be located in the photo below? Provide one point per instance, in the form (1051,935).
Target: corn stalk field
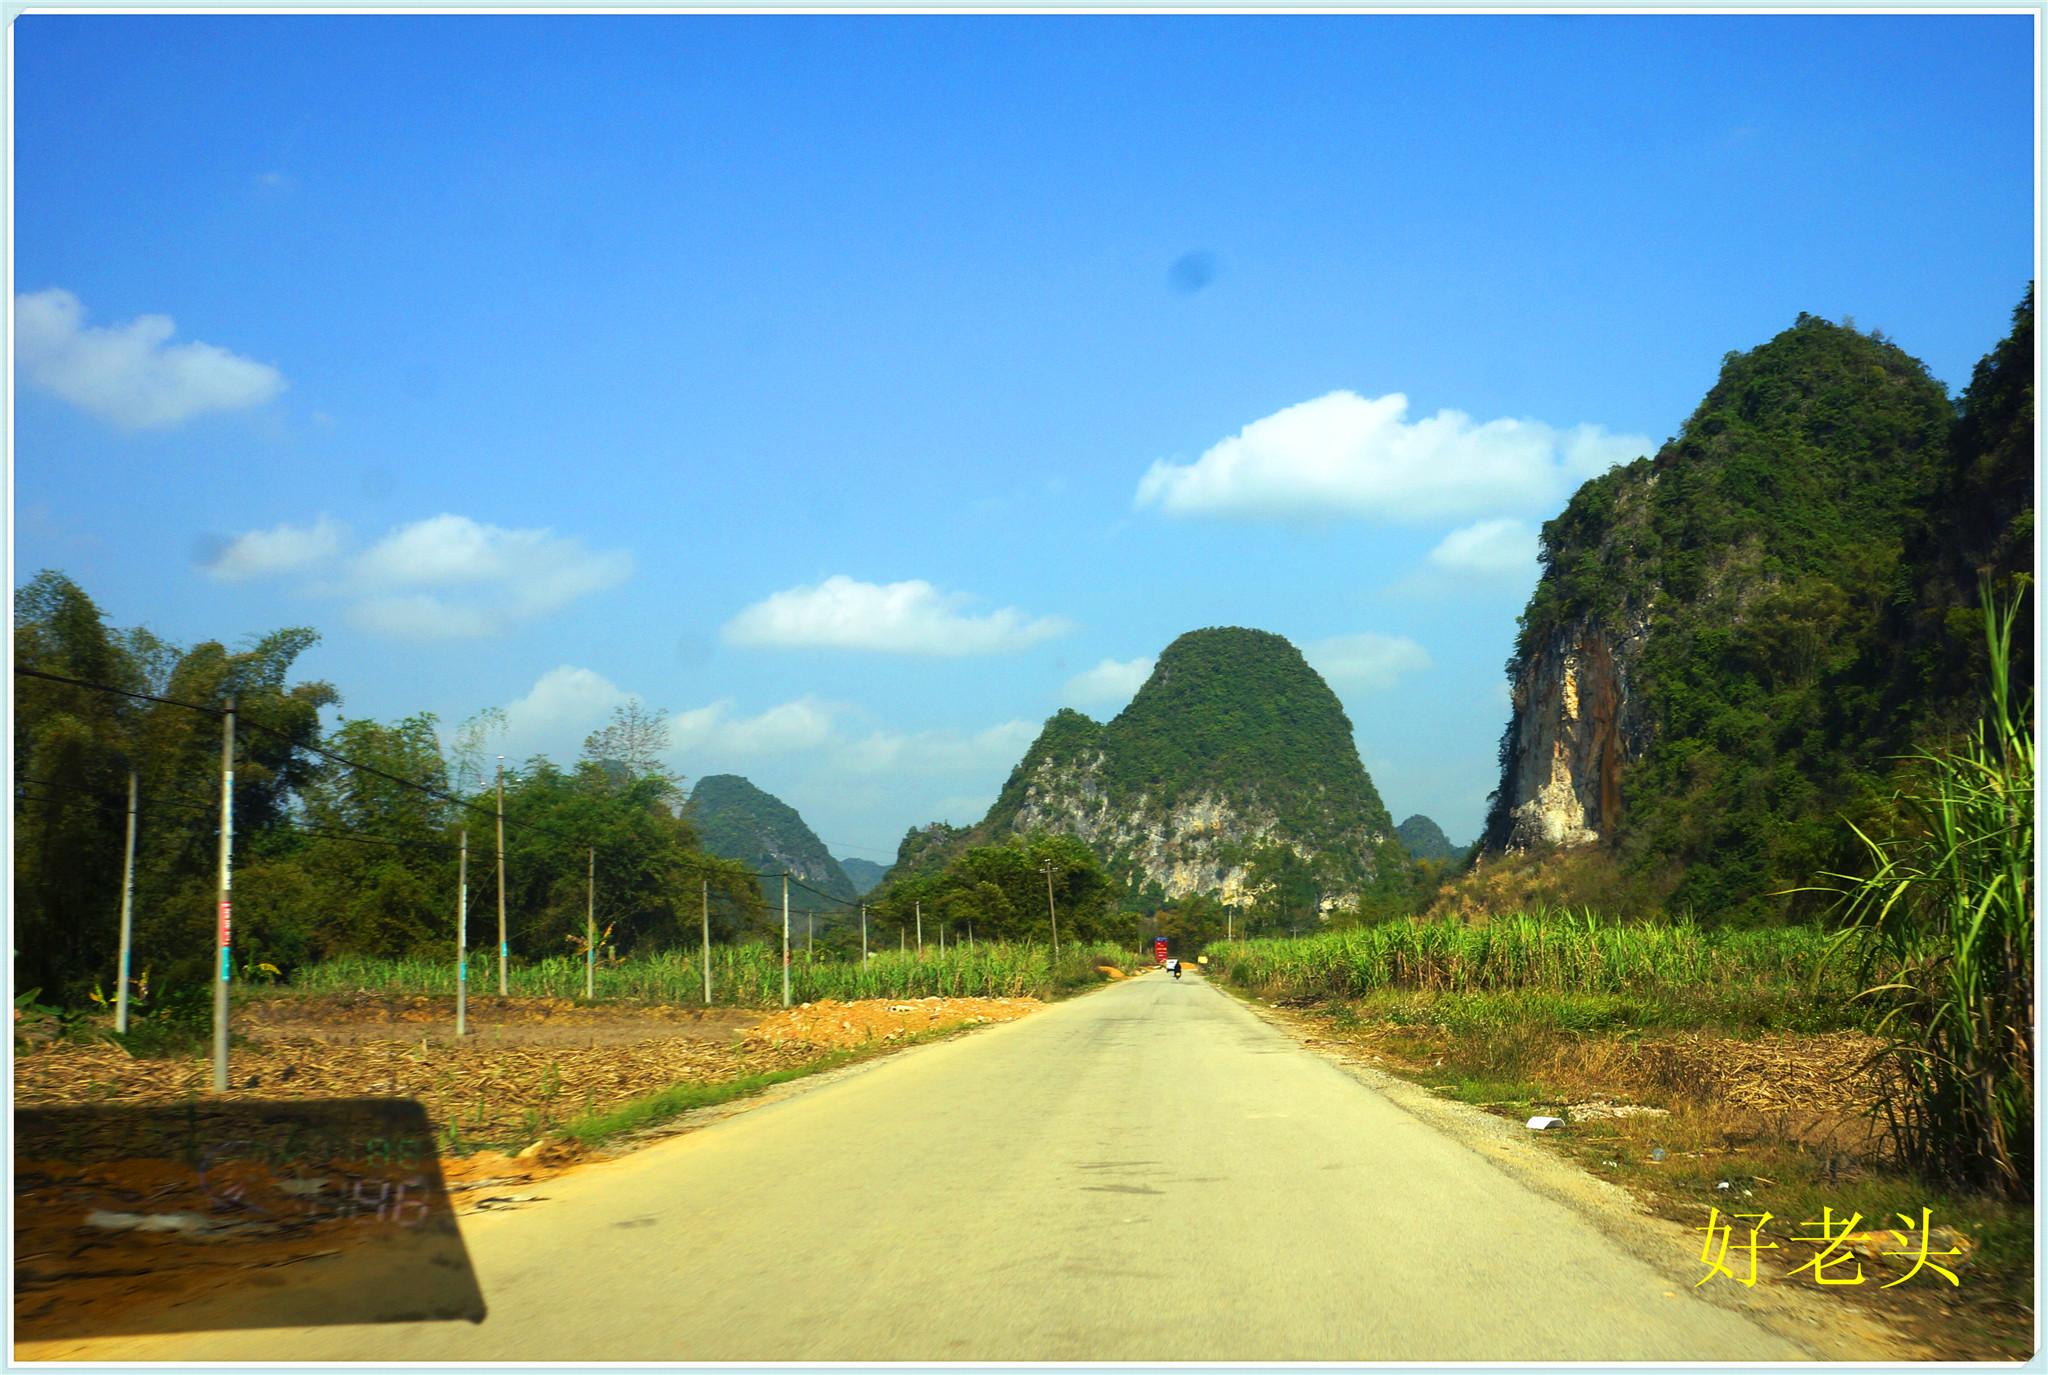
(1548,952)
(741,975)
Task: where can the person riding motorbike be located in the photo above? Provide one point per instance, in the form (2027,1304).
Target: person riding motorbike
(1173,967)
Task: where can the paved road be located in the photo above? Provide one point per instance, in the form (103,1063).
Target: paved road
(1146,1173)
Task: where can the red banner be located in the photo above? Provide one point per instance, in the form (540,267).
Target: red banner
(227,925)
(1159,950)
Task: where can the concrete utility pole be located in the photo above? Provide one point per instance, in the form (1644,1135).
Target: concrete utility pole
(224,932)
(504,947)
(127,913)
(920,925)
(1052,912)
(707,942)
(863,933)
(462,939)
(590,932)
(785,938)
(810,933)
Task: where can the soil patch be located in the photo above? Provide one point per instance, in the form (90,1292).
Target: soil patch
(837,1025)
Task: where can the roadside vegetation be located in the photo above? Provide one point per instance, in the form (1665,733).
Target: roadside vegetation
(746,975)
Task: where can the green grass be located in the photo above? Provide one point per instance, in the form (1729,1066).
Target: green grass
(741,975)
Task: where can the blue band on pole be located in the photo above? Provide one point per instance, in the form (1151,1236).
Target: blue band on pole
(462,971)
(227,963)
(504,951)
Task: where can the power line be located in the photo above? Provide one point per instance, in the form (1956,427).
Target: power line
(123,692)
(370,769)
(85,798)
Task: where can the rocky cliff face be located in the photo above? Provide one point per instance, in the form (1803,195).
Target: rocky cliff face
(1713,664)
(1233,762)
(1575,730)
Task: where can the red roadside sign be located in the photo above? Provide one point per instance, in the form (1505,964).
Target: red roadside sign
(1159,950)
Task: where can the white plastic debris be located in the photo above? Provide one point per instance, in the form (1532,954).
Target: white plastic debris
(1657,1154)
(147,1222)
(1544,1124)
(1723,1187)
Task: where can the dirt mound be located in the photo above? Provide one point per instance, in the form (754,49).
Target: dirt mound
(836,1024)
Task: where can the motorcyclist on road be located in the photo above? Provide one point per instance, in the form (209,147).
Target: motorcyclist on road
(1173,967)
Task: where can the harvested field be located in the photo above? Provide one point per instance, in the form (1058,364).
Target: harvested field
(531,1065)
(343,1018)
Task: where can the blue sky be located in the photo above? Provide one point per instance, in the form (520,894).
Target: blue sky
(862,390)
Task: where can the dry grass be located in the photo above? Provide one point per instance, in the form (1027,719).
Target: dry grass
(1783,1120)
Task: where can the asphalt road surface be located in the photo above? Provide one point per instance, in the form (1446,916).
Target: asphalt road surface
(1149,1172)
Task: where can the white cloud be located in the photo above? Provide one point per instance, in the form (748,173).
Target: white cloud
(280,549)
(1367,661)
(1345,454)
(564,706)
(1110,682)
(450,577)
(1488,549)
(421,616)
(899,617)
(936,751)
(444,578)
(131,374)
(804,724)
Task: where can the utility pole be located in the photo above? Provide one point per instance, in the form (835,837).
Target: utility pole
(224,932)
(863,935)
(1052,912)
(810,933)
(462,939)
(902,941)
(504,947)
(590,931)
(942,940)
(707,942)
(785,938)
(127,913)
(920,926)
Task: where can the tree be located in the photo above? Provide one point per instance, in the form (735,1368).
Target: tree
(634,740)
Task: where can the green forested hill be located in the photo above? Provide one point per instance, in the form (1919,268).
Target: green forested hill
(864,874)
(736,820)
(1225,709)
(1782,582)
(1424,839)
(1234,764)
